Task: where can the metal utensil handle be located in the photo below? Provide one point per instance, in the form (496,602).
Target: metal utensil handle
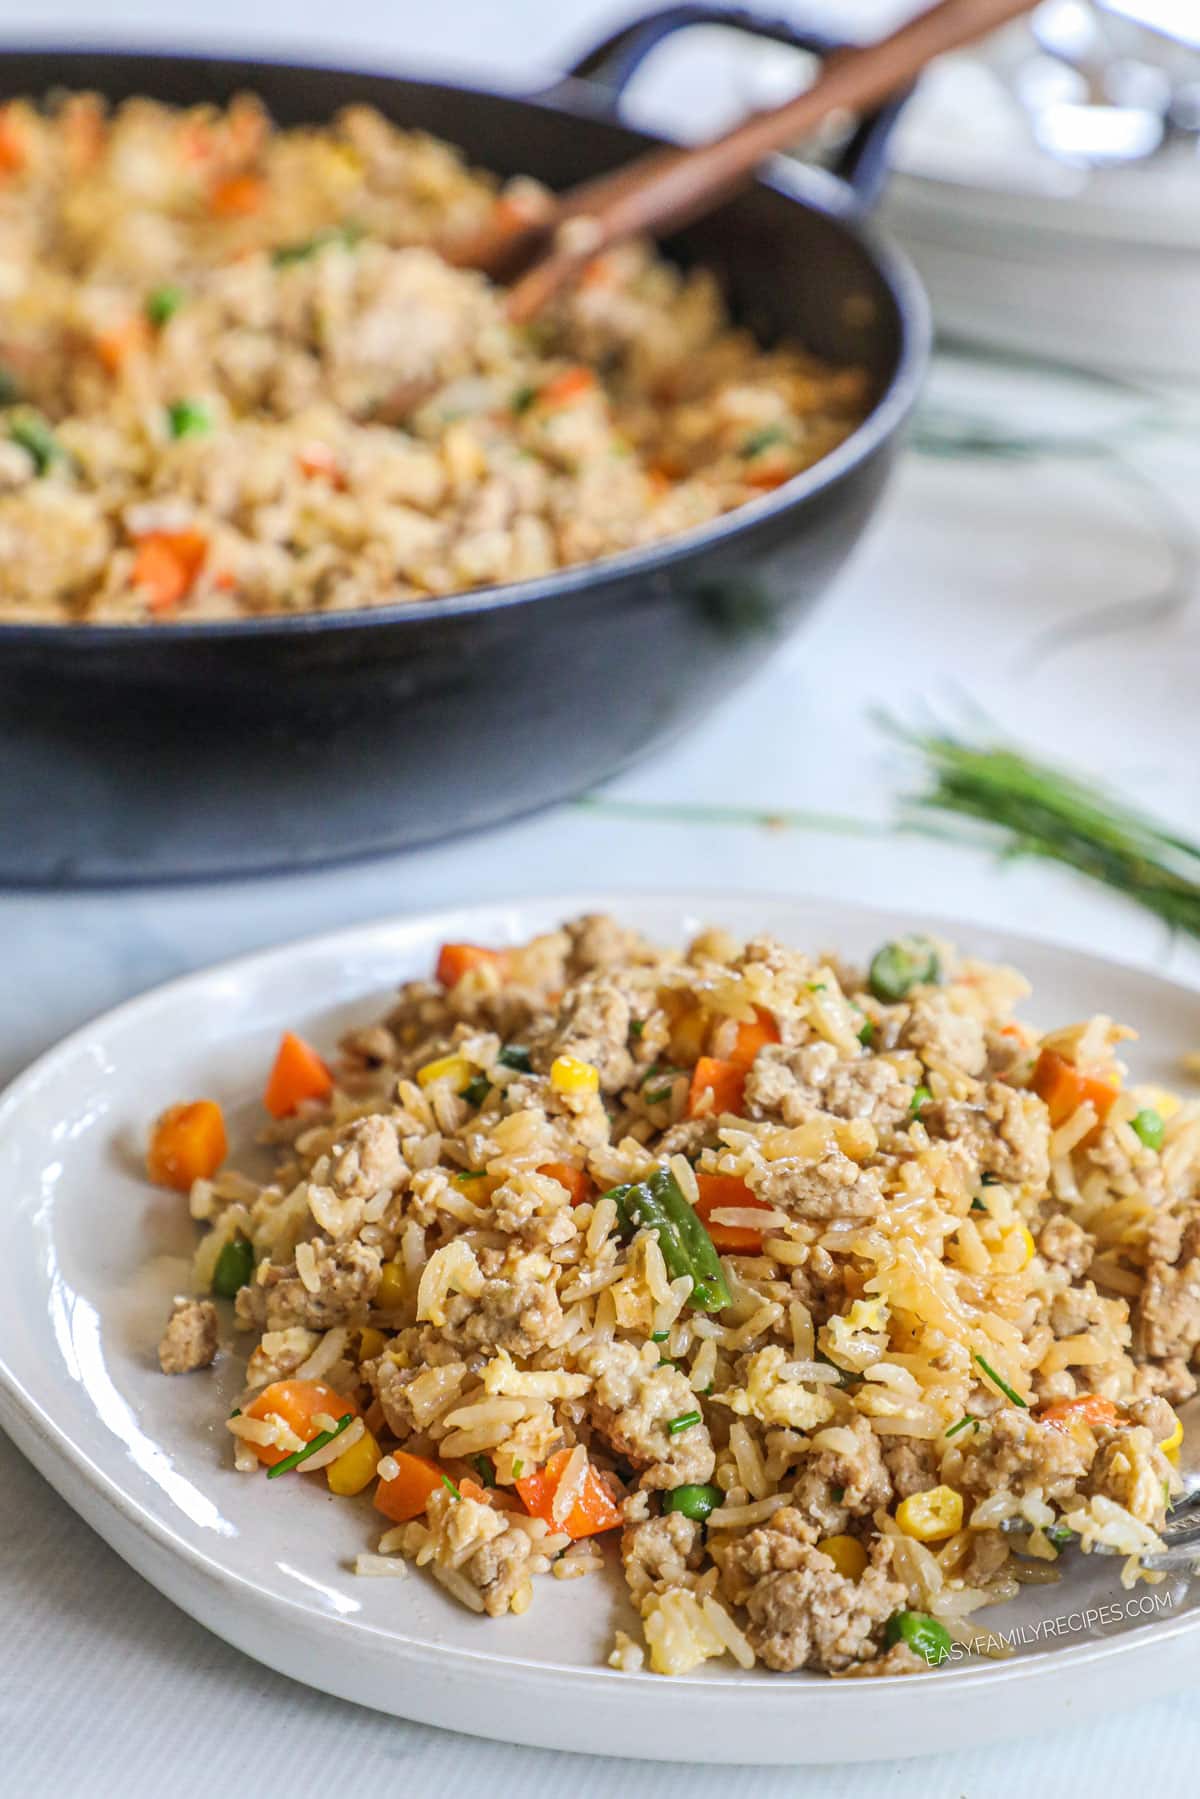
(611,65)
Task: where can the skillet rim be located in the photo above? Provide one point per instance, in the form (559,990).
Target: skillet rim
(812,188)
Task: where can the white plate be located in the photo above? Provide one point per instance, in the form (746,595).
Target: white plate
(90,1255)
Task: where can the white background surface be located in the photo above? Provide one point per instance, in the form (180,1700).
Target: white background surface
(104,1687)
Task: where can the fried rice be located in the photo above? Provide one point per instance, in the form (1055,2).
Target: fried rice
(236,376)
(846,1301)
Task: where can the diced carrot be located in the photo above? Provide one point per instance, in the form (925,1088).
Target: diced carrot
(1065,1087)
(188,1144)
(754,1036)
(225,581)
(519,209)
(723,1193)
(238,196)
(317,459)
(574,1180)
(594,1510)
(659,482)
(455,959)
(406,1495)
(1088,1408)
(297,1402)
(166,564)
(298,1074)
(13,151)
(566,388)
(767,478)
(115,346)
(725,1080)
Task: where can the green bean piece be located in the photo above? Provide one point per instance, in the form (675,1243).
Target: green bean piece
(929,1639)
(657,1204)
(1149,1126)
(898,967)
(694,1501)
(234,1269)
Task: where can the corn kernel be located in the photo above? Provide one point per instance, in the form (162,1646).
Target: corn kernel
(569,1075)
(847,1555)
(1030,1245)
(370,1341)
(1170,1445)
(1164,1103)
(446,1068)
(931,1515)
(392,1288)
(355,1468)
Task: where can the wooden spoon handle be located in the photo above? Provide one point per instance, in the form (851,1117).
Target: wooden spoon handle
(666,189)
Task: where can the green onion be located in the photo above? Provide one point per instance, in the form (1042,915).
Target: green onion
(1002,1384)
(235,1266)
(485,1468)
(477,1090)
(898,967)
(977,1204)
(657,1204)
(837,1494)
(30,430)
(189,418)
(450,1487)
(523,399)
(301,1455)
(162,304)
(818,987)
(1033,808)
(636,1026)
(684,1421)
(694,1501)
(1058,1534)
(513,1056)
(345,235)
(659,1095)
(989,1180)
(921,1097)
(471,1174)
(962,1425)
(517,1467)
(925,1635)
(1149,1126)
(236,1412)
(659,1336)
(765,439)
(867,1035)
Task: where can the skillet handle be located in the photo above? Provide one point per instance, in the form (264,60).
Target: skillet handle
(611,65)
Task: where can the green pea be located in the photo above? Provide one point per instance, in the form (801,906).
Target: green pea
(693,1501)
(162,304)
(921,1097)
(1149,1126)
(898,967)
(30,430)
(235,1266)
(189,418)
(924,1634)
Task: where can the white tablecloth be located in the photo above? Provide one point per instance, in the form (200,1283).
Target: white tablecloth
(1034,562)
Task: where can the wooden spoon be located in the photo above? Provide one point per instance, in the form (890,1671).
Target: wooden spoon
(665,189)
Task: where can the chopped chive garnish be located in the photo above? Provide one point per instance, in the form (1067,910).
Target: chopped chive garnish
(301,1455)
(817,987)
(1002,1384)
(450,1486)
(1058,1534)
(962,1425)
(921,1097)
(236,1412)
(636,1026)
(659,1095)
(517,1467)
(477,1090)
(485,1468)
(766,439)
(346,235)
(684,1421)
(514,1056)
(867,1035)
(989,1180)
(523,399)
(659,1336)
(471,1174)
(837,1494)
(977,1204)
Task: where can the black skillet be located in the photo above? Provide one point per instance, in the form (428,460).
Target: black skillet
(280,743)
